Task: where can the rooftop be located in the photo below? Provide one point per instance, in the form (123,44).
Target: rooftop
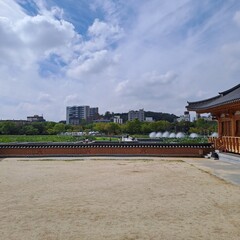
(229,96)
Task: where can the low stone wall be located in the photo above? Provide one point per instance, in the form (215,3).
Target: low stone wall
(103,149)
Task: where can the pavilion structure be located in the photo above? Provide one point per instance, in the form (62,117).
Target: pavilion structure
(225,108)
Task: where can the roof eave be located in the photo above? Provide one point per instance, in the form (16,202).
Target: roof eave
(211,108)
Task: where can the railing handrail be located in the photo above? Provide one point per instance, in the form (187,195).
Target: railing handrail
(226,143)
(224,137)
(230,137)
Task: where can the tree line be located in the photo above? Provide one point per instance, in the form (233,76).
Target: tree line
(200,126)
(158,116)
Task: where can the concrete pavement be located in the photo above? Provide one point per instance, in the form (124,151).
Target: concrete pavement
(229,171)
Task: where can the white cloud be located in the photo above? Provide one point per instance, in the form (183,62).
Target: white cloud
(32,38)
(151,85)
(122,87)
(99,28)
(72,99)
(25,41)
(236,17)
(110,8)
(155,78)
(45,98)
(9,8)
(151,54)
(101,36)
(91,64)
(49,34)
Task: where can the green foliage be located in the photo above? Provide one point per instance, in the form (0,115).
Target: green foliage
(112,128)
(135,127)
(185,140)
(40,126)
(160,126)
(30,130)
(182,126)
(61,138)
(100,127)
(108,115)
(107,128)
(8,128)
(37,138)
(146,128)
(59,128)
(203,127)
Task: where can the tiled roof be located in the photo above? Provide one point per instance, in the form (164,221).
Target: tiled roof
(226,97)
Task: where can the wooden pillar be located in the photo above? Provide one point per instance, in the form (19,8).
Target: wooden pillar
(233,124)
(237,124)
(219,126)
(235,118)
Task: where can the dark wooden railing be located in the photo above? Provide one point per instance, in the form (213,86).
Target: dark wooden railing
(226,144)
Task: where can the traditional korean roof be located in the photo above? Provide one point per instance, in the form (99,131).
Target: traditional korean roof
(229,96)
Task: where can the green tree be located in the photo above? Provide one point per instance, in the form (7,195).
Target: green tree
(30,130)
(112,128)
(100,127)
(133,127)
(203,127)
(49,128)
(160,126)
(59,128)
(182,126)
(108,115)
(40,126)
(145,128)
(77,128)
(8,128)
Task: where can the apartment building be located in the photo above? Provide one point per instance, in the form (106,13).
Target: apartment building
(93,113)
(75,114)
(136,115)
(35,118)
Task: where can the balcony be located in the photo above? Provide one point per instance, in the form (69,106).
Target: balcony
(226,144)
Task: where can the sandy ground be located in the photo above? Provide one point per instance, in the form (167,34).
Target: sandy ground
(115,199)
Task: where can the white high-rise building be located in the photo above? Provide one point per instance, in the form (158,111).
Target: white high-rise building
(118,119)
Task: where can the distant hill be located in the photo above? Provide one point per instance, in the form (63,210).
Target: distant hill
(157,116)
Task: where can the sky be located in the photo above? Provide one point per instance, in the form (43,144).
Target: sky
(117,55)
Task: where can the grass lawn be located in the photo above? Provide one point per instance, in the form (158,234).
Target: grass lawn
(63,138)
(37,138)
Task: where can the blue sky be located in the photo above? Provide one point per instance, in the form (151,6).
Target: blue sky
(114,54)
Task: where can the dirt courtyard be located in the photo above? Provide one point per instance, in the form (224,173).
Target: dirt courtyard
(115,199)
